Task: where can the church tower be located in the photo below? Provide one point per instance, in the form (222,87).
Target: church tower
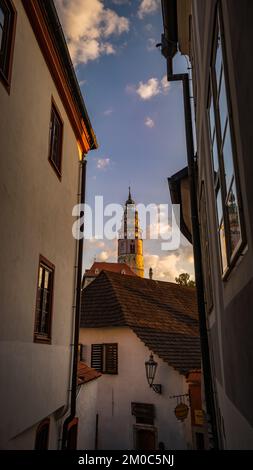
(130,243)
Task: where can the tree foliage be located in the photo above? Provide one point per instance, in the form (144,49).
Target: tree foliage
(184,280)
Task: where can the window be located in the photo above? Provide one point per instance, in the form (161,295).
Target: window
(42,435)
(132,247)
(104,358)
(44,303)
(143,412)
(55,140)
(7,34)
(222,147)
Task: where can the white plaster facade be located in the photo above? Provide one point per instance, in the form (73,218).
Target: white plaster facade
(86,407)
(36,218)
(116,424)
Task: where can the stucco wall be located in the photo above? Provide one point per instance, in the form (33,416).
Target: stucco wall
(116,392)
(86,410)
(35,219)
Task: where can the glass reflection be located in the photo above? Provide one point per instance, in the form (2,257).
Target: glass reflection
(233,216)
(228,157)
(223,107)
(223,246)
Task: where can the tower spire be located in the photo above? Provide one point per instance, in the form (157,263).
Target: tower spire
(130,243)
(129,200)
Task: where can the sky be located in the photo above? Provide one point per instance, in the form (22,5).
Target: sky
(136,114)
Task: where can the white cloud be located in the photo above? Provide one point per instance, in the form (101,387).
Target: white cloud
(103,256)
(103,163)
(88,26)
(151,46)
(146,7)
(108,112)
(82,82)
(148,27)
(167,267)
(149,122)
(165,84)
(149,89)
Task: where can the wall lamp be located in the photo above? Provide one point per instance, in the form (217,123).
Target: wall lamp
(151,366)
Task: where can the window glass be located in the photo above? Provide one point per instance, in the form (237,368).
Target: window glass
(228,157)
(233,215)
(211,117)
(223,107)
(218,61)
(219,207)
(1,27)
(215,154)
(223,246)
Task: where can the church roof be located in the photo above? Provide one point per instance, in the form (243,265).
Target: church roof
(162,314)
(97,267)
(86,374)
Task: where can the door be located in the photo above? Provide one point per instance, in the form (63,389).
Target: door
(145,439)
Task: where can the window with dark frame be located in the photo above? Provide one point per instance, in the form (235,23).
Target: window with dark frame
(55,140)
(44,302)
(7,33)
(223,152)
(104,357)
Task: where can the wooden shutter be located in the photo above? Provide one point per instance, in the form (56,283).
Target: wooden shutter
(97,357)
(111,358)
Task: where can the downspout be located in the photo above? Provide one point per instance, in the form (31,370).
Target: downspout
(206,362)
(72,415)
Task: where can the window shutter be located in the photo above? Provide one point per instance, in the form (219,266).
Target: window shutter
(111,358)
(97,357)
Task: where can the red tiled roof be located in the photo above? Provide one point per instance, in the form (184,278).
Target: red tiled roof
(97,267)
(86,374)
(162,314)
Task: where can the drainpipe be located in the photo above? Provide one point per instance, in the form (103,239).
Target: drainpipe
(72,415)
(206,362)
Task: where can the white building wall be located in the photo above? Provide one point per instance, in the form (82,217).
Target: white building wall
(117,392)
(36,218)
(86,410)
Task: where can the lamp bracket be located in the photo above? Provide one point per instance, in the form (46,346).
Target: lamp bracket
(157,388)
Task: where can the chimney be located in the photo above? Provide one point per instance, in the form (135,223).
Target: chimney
(150,273)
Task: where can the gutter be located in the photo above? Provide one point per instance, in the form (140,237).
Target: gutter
(184,78)
(73,391)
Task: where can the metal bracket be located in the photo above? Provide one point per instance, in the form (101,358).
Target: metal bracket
(157,388)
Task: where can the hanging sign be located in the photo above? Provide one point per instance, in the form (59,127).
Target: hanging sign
(181,411)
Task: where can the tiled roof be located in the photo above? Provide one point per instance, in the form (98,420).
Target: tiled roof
(97,267)
(86,374)
(162,314)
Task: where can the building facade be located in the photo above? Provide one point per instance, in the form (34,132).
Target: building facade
(130,243)
(125,319)
(216,36)
(44,133)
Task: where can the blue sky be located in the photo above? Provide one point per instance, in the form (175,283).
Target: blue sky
(137,117)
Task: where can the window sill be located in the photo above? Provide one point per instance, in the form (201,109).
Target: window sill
(41,339)
(234,260)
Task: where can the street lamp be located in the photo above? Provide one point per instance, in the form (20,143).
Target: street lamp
(151,366)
